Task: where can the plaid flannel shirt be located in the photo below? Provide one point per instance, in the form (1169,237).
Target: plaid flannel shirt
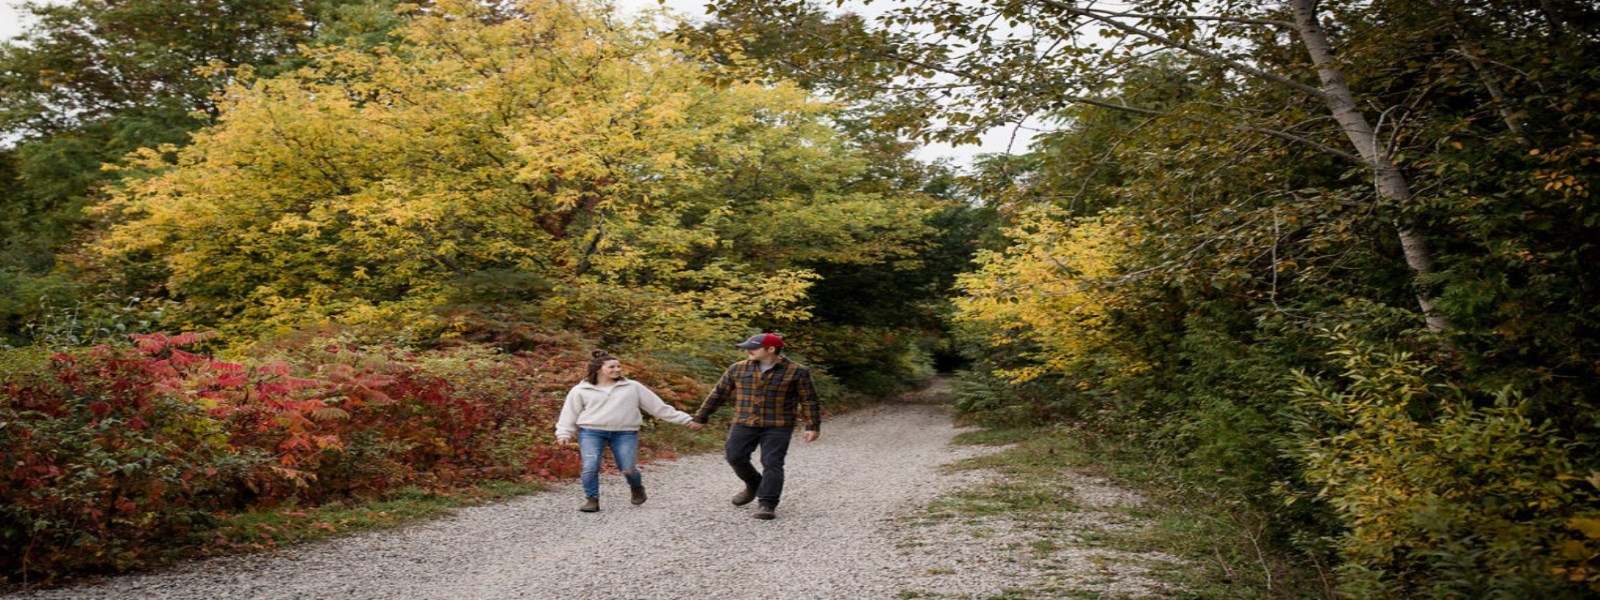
(769,399)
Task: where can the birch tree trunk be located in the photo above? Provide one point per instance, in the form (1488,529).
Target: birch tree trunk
(1502,105)
(1390,183)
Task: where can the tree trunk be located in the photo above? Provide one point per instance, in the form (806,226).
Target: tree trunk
(1502,105)
(1390,183)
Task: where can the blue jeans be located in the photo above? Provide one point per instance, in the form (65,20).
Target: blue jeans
(774,444)
(624,450)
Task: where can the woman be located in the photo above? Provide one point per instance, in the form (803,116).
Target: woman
(603,410)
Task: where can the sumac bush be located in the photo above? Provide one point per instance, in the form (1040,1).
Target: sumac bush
(104,450)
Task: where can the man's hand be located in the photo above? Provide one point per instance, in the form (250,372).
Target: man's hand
(696,426)
(811,436)
(563,442)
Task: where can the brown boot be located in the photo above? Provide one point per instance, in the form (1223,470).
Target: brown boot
(638,495)
(764,513)
(744,497)
(590,504)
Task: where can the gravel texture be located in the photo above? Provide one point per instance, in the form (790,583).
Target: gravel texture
(846,529)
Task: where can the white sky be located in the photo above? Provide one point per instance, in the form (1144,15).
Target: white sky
(10,21)
(997,140)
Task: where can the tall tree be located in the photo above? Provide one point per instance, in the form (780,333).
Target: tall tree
(875,326)
(569,160)
(92,80)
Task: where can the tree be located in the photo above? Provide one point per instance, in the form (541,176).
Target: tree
(573,163)
(875,327)
(1044,297)
(95,79)
(96,60)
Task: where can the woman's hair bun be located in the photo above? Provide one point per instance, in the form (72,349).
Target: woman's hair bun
(599,353)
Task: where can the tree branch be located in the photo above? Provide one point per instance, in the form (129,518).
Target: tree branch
(969,75)
(1320,147)
(1272,22)
(1186,47)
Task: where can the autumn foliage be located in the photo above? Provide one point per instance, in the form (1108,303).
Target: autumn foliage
(110,450)
(1047,297)
(544,159)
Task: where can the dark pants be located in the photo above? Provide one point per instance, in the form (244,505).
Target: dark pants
(774,443)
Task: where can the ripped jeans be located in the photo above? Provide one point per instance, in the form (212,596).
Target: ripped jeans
(624,450)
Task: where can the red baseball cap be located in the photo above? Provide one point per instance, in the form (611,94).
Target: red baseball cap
(761,340)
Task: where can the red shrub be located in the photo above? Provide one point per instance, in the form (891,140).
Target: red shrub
(103,451)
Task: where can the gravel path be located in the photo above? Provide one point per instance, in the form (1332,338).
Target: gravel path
(839,534)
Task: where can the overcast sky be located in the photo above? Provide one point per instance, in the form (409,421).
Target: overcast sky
(10,21)
(11,24)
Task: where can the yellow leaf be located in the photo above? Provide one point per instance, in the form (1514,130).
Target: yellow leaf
(1589,527)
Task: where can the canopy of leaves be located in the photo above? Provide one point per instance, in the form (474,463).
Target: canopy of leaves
(547,158)
(92,80)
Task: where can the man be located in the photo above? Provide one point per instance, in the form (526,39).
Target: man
(770,395)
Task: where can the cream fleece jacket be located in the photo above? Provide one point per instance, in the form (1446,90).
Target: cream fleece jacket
(590,407)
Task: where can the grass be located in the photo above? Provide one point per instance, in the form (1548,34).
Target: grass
(1221,538)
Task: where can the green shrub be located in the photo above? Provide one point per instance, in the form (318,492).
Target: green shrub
(1444,493)
(982,396)
(27,307)
(874,361)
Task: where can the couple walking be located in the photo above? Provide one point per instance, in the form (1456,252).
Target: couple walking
(770,394)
